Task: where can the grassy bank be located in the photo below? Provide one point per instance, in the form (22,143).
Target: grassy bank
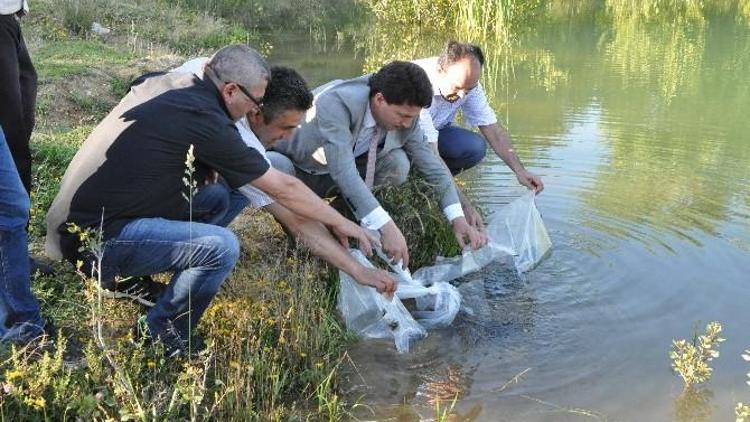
(275,341)
(282,15)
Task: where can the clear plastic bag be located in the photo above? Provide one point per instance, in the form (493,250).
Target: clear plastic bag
(514,230)
(518,227)
(436,304)
(371,315)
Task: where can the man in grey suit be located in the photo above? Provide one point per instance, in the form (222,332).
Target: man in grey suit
(372,120)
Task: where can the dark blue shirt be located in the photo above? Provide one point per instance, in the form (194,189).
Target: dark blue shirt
(132,165)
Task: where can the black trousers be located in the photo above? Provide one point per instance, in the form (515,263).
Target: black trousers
(18,85)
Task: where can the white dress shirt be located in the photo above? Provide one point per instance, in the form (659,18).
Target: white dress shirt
(476,109)
(11,7)
(258,198)
(378,217)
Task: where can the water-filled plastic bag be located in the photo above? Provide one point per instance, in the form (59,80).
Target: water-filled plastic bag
(515,230)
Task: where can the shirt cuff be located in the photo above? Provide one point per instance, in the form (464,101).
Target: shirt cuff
(376,219)
(453,211)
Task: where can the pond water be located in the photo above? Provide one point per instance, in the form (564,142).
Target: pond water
(641,130)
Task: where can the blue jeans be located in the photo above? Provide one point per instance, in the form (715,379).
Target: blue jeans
(20,320)
(461,149)
(200,255)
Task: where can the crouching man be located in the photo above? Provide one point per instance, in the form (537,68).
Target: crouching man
(364,132)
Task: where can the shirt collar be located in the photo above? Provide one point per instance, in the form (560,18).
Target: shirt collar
(210,86)
(369,121)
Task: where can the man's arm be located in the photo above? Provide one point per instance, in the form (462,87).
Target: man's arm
(294,195)
(319,240)
(437,173)
(472,215)
(500,142)
(333,124)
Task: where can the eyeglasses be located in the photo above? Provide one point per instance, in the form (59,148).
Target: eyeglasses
(258,101)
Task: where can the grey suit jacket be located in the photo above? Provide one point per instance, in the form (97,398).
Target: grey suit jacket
(324,144)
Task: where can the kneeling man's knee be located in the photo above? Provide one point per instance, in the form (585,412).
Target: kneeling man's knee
(281,162)
(476,152)
(222,248)
(393,168)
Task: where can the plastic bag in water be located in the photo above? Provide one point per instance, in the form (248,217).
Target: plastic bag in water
(518,227)
(371,315)
(514,230)
(436,304)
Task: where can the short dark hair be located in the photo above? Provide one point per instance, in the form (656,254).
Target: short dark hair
(402,83)
(286,90)
(455,51)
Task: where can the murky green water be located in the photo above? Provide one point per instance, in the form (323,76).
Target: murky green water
(642,133)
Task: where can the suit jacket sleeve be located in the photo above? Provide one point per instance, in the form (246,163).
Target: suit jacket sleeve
(334,121)
(424,159)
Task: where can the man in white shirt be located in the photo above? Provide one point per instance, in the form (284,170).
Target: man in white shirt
(454,76)
(286,100)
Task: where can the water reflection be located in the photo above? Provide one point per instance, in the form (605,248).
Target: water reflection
(677,146)
(638,120)
(693,406)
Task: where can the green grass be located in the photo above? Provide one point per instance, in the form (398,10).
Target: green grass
(74,57)
(416,210)
(286,15)
(119,86)
(274,349)
(91,105)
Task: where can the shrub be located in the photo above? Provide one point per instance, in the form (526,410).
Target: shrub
(691,360)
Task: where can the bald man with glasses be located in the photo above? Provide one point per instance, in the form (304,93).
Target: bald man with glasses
(454,76)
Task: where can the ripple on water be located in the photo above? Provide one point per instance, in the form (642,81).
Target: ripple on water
(646,202)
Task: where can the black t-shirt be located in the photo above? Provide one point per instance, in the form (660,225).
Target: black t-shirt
(132,165)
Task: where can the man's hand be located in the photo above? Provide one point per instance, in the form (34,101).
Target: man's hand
(350,230)
(394,244)
(530,180)
(464,231)
(377,278)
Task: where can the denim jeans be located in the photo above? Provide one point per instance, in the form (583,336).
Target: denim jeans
(200,255)
(19,310)
(461,149)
